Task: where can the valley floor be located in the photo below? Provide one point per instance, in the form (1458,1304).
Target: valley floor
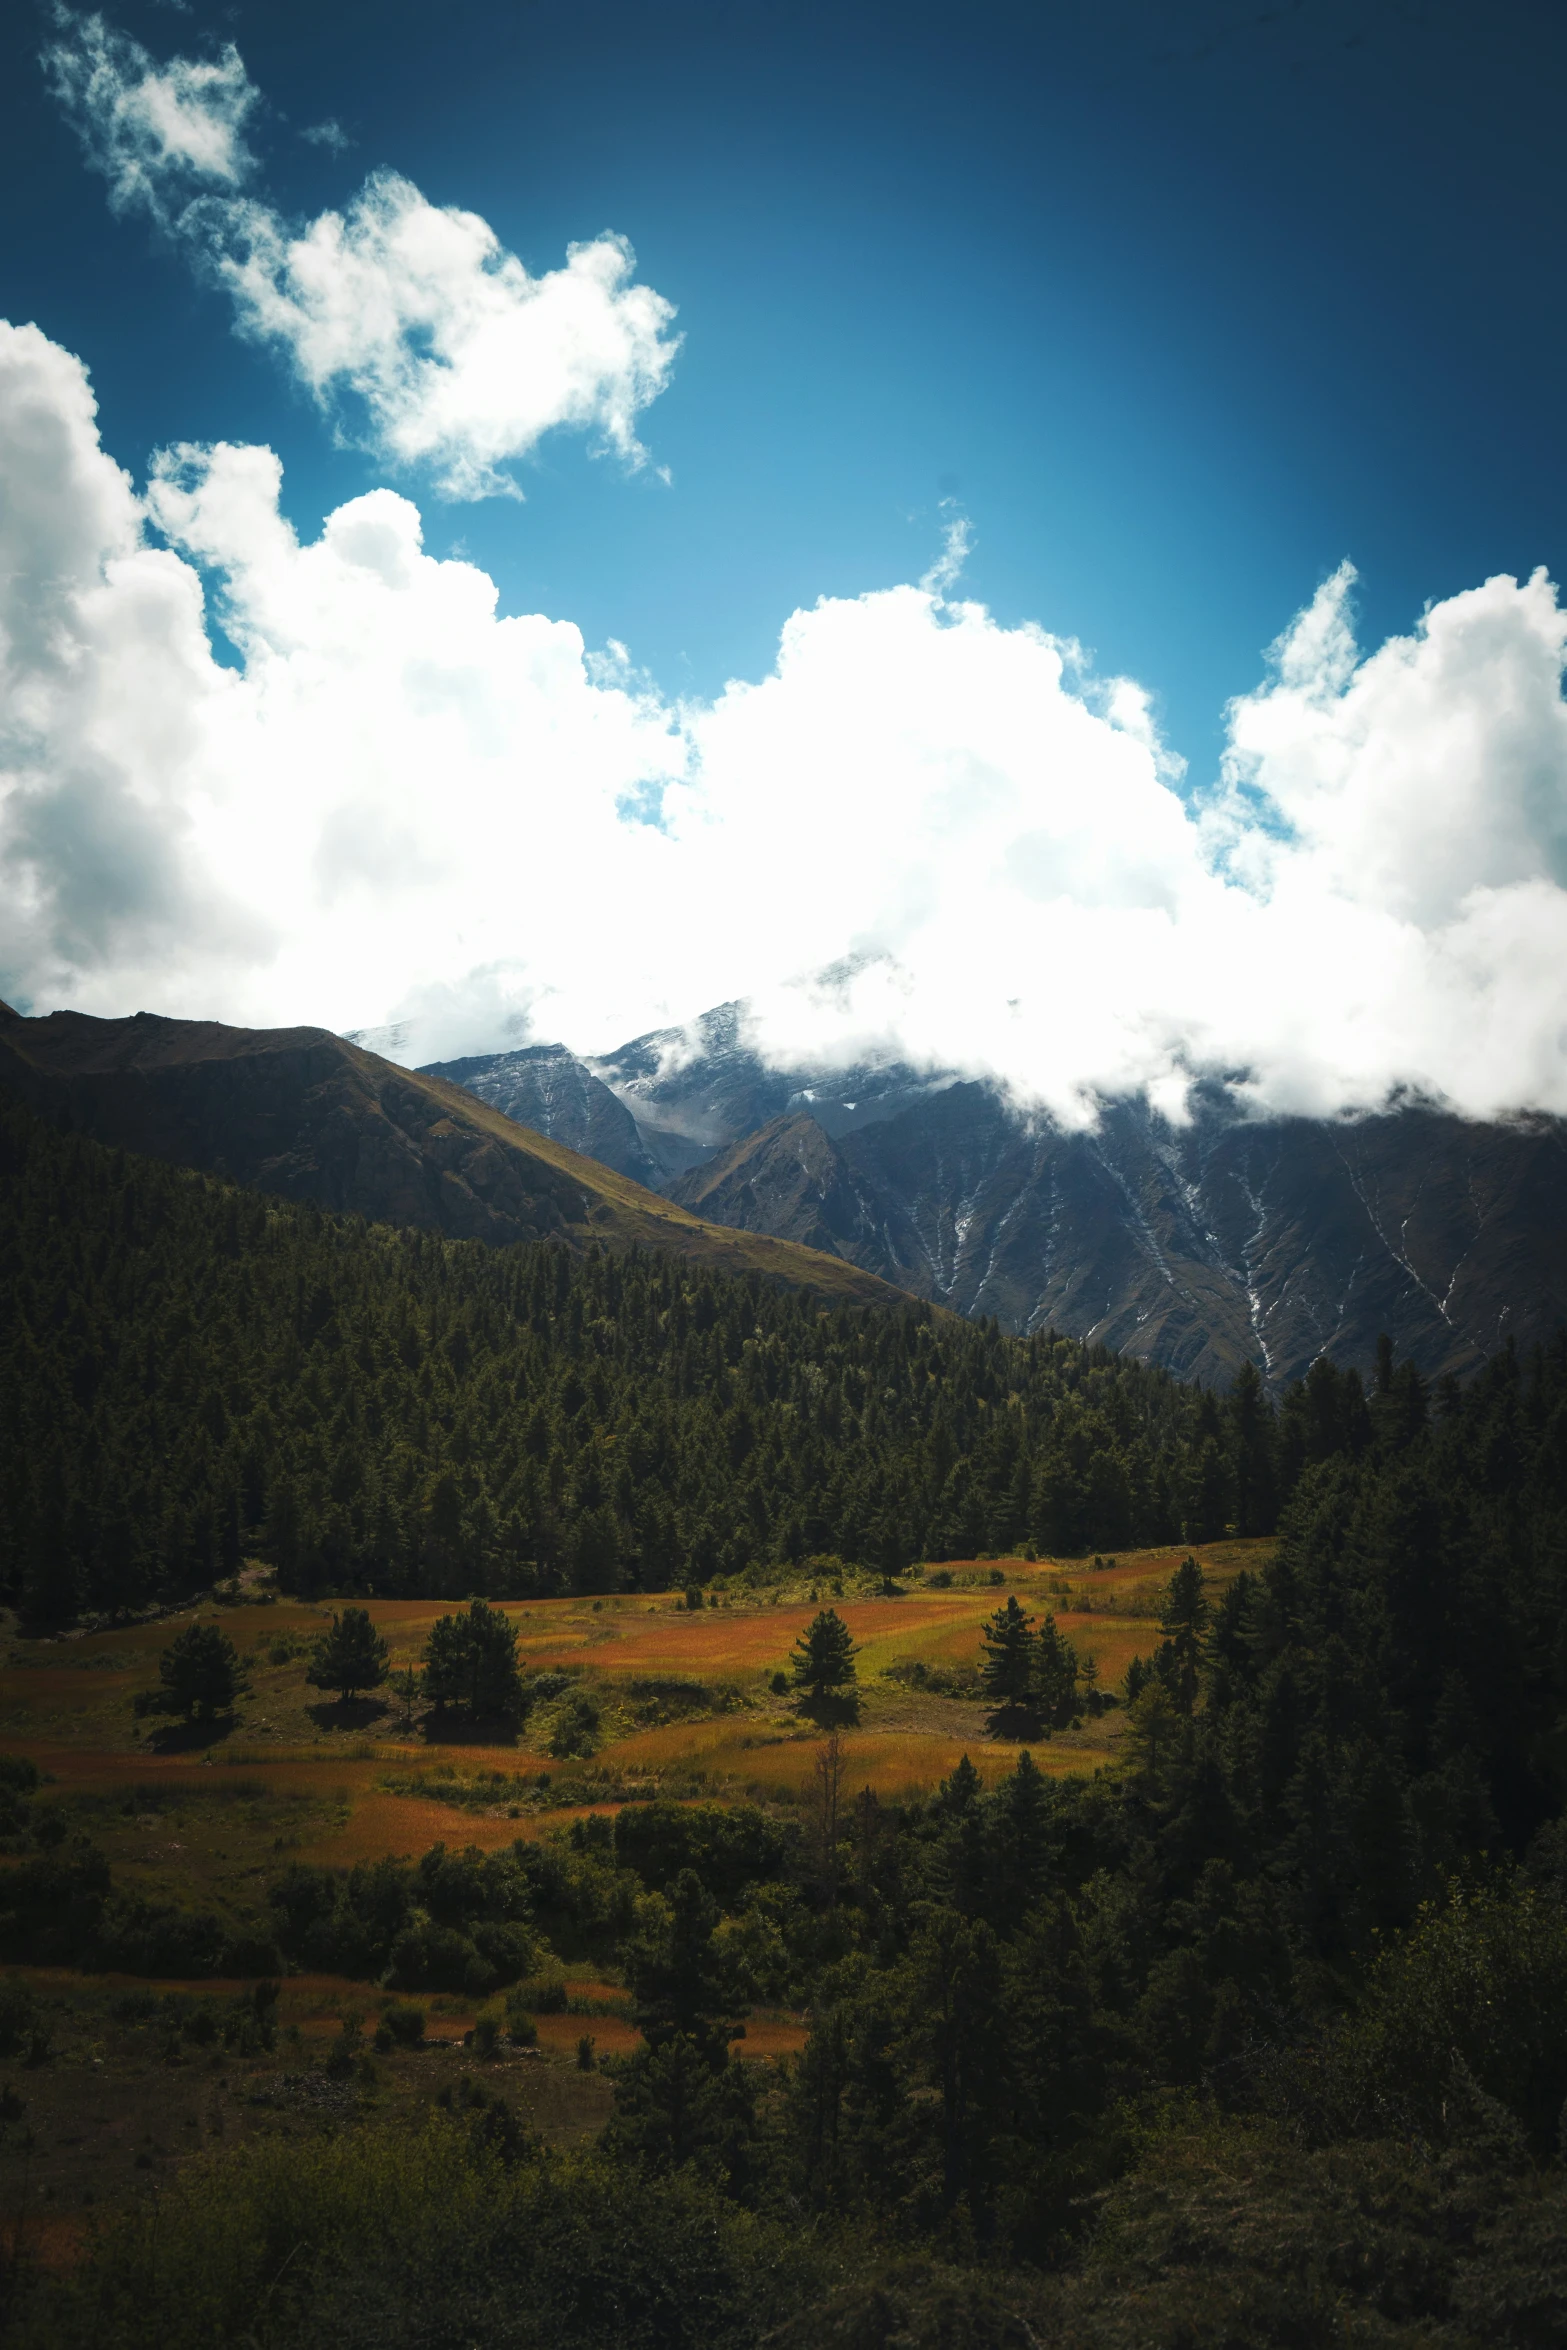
(122,2094)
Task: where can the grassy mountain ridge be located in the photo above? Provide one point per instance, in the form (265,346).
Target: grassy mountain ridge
(302,1113)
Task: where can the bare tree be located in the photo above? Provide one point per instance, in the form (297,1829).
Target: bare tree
(828,1775)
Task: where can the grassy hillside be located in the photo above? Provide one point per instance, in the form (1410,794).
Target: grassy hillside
(302,1113)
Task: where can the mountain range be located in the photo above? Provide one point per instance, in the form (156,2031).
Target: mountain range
(1203,1245)
(310,1116)
(1198,1246)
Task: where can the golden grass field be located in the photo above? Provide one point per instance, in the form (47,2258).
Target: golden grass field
(209,1817)
(685,1699)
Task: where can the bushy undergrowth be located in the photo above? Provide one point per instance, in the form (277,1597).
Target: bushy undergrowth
(429,2237)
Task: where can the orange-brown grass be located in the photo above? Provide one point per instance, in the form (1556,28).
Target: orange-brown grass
(729,1756)
(86,1770)
(1112,1642)
(741,1760)
(756,1639)
(767,2036)
(302,1999)
(611,2034)
(53,2241)
(382,1826)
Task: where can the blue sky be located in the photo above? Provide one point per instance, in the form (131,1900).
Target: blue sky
(1180,333)
(1184,304)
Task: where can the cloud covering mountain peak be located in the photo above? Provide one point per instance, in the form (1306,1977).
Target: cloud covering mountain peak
(403,804)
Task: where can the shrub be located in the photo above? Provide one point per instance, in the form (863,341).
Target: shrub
(541,1995)
(403,2024)
(575,1730)
(729,1847)
(16,2015)
(521,2029)
(461,2231)
(342,2058)
(429,1957)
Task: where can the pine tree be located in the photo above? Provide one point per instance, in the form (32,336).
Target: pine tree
(1151,1740)
(1057,1676)
(1183,1621)
(1252,1450)
(680,1980)
(470,1660)
(200,1672)
(1021,1839)
(352,1656)
(1009,1664)
(824,1658)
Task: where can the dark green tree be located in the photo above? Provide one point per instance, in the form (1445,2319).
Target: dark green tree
(823,1665)
(1009,1663)
(200,1673)
(673,2109)
(470,1662)
(1252,1453)
(351,1657)
(680,1982)
(1058,1673)
(1184,1622)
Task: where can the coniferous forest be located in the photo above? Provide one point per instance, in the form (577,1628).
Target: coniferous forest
(1256,2037)
(195,1374)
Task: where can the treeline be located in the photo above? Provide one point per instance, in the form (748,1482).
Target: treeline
(191,1374)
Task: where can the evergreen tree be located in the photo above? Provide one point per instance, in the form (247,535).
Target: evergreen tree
(470,1661)
(1057,1673)
(351,1657)
(200,1672)
(1252,1451)
(1009,1662)
(1184,1621)
(823,1664)
(1151,1741)
(682,1986)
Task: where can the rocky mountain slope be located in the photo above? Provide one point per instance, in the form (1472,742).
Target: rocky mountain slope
(301,1112)
(1201,1247)
(546,1087)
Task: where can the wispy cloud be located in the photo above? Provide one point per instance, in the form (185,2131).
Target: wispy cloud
(157,133)
(412,319)
(957,544)
(329,134)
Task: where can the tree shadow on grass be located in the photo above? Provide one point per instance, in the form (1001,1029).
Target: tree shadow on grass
(454,1729)
(832,1710)
(348,1713)
(1021,1723)
(192,1737)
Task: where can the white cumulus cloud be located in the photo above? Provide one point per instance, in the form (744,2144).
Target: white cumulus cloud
(460,359)
(401,807)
